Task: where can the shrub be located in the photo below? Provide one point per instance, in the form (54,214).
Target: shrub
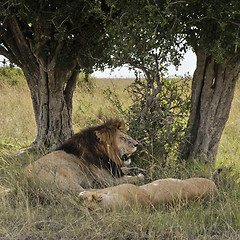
(158,114)
(86,82)
(11,76)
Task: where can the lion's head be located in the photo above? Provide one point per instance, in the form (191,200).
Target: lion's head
(111,133)
(126,146)
(106,145)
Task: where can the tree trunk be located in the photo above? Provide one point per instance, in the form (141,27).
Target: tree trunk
(52,92)
(212,94)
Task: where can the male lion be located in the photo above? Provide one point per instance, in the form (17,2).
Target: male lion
(93,156)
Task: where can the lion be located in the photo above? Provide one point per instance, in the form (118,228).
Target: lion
(93,157)
(162,191)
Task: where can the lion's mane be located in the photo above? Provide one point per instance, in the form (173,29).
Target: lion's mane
(97,146)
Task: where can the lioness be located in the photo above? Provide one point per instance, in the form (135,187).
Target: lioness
(93,156)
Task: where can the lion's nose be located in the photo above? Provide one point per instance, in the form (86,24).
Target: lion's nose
(136,144)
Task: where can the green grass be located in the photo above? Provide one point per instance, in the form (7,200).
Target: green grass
(33,211)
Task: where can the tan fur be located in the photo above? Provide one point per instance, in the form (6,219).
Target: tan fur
(96,159)
(173,190)
(124,195)
(162,191)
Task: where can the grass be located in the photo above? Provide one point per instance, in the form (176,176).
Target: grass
(16,112)
(38,212)
(229,151)
(90,107)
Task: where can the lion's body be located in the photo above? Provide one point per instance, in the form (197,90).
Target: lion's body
(162,191)
(90,157)
(172,190)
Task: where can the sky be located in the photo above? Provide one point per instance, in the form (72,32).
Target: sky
(188,65)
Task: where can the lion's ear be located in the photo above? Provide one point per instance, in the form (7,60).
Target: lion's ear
(102,135)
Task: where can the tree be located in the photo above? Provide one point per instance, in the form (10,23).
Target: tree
(51,41)
(213,32)
(147,37)
(158,32)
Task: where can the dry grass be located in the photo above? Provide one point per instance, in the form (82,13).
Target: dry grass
(32,212)
(16,116)
(91,107)
(229,150)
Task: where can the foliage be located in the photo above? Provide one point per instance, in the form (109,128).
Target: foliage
(11,76)
(158,114)
(47,26)
(148,38)
(150,35)
(86,81)
(146,35)
(212,26)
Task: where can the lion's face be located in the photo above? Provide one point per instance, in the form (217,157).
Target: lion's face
(126,146)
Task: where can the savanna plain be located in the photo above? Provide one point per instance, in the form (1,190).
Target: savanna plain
(31,212)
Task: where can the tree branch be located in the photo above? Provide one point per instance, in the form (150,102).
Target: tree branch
(4,52)
(36,52)
(19,43)
(13,53)
(52,64)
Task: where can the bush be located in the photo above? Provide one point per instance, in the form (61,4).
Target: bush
(158,114)
(11,76)
(86,82)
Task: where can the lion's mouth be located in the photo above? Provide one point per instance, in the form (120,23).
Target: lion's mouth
(126,159)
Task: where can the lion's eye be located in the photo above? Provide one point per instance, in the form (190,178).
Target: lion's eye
(123,138)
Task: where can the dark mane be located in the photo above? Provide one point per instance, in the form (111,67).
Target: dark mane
(96,145)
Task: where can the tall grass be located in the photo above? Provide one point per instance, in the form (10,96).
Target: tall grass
(32,211)
(229,150)
(16,112)
(90,105)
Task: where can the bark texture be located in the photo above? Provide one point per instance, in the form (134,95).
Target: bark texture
(51,85)
(212,94)
(52,103)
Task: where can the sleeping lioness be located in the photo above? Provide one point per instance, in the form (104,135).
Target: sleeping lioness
(162,191)
(94,156)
